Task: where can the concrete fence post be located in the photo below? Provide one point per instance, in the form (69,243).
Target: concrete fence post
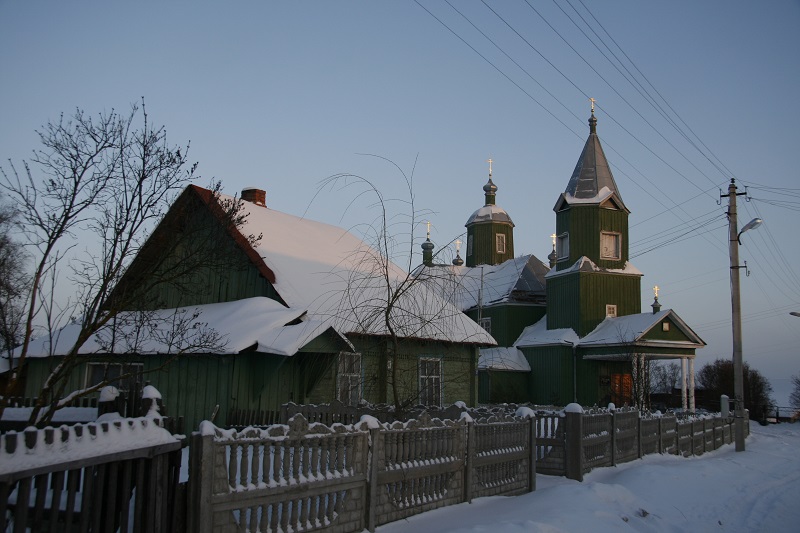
(614,438)
(469,464)
(532,457)
(372,503)
(639,432)
(573,445)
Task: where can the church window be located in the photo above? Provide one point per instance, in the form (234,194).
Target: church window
(611,311)
(486,323)
(348,380)
(469,245)
(430,381)
(562,246)
(500,241)
(609,245)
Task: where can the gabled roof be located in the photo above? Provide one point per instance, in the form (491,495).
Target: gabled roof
(538,335)
(510,359)
(334,275)
(518,279)
(619,331)
(254,324)
(633,328)
(592,181)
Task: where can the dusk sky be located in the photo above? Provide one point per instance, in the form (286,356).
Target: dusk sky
(281,95)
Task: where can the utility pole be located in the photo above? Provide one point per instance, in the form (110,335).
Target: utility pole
(736,311)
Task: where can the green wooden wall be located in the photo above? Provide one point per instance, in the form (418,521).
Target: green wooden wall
(484,247)
(498,386)
(578,300)
(584,223)
(508,320)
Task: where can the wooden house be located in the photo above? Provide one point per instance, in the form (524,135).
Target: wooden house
(297,317)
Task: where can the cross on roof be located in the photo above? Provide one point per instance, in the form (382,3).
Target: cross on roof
(655,290)
(490,166)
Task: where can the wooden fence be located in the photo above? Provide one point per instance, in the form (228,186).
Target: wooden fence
(311,477)
(87,478)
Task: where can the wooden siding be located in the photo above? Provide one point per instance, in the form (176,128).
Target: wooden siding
(584,225)
(508,320)
(230,278)
(459,369)
(550,379)
(484,248)
(578,300)
(499,386)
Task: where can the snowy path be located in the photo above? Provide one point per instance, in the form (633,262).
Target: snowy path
(758,490)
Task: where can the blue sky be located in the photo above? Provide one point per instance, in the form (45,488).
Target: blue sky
(283,95)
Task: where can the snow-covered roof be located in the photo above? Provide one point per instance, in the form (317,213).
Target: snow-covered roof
(510,359)
(610,332)
(584,264)
(489,213)
(497,283)
(260,324)
(631,328)
(335,276)
(538,335)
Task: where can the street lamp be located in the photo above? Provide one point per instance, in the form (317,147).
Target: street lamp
(736,310)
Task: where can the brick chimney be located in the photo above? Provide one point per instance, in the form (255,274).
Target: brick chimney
(254,195)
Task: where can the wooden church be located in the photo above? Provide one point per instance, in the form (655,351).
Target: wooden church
(573,332)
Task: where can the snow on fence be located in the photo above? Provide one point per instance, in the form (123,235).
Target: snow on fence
(111,476)
(311,477)
(592,440)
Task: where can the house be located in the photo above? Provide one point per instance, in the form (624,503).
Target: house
(578,325)
(295,315)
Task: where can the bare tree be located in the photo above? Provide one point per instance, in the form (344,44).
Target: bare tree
(794,397)
(664,376)
(105,180)
(393,303)
(13,281)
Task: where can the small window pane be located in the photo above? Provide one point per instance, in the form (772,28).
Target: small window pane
(500,240)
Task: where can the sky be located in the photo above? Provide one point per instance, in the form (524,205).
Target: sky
(721,491)
(282,95)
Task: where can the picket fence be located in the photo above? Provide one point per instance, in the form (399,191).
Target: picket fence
(312,477)
(309,476)
(70,479)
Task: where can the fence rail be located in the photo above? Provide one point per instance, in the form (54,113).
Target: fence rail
(77,479)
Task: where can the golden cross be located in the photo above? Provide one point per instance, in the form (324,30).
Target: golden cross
(490,166)
(592,100)
(458,245)
(553,236)
(655,290)
(429,229)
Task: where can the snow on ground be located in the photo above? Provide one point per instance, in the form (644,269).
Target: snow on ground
(756,490)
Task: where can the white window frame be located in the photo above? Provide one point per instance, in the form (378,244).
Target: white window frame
(500,243)
(665,326)
(136,370)
(348,378)
(562,246)
(430,381)
(616,238)
(486,323)
(611,310)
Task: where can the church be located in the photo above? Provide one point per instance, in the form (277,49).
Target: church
(572,330)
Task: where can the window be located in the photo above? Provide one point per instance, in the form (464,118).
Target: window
(562,246)
(611,311)
(99,372)
(348,379)
(469,244)
(609,245)
(500,241)
(665,326)
(486,323)
(430,381)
